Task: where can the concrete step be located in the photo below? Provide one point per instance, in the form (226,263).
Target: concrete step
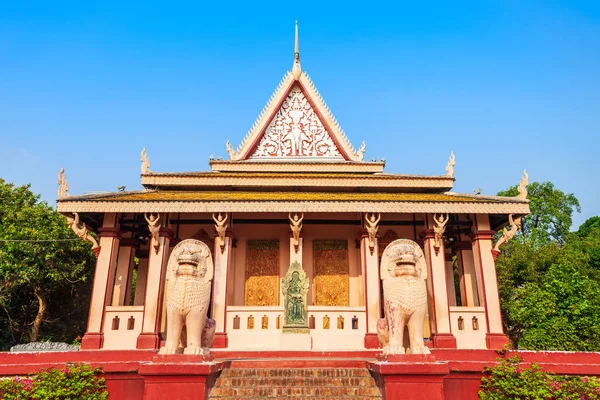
(296,372)
(299,391)
(295,383)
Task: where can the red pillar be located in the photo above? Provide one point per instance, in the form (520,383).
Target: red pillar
(150,338)
(101,291)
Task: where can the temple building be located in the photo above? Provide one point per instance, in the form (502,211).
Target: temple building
(294,190)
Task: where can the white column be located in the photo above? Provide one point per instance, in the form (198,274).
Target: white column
(219,299)
(105,265)
(469,292)
(438,291)
(122,276)
(149,338)
(296,255)
(450,283)
(140,283)
(370,270)
(486,267)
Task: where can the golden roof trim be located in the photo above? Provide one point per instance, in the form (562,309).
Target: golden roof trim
(249,196)
(292,206)
(324,175)
(306,165)
(273,179)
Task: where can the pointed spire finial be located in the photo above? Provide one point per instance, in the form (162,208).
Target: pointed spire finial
(296,69)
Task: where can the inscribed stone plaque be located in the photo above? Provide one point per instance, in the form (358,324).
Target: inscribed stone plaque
(262,273)
(330,263)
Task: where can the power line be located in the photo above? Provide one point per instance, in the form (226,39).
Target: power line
(38,240)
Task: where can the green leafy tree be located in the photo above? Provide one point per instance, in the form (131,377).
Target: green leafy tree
(548,276)
(44,268)
(560,313)
(588,237)
(551,214)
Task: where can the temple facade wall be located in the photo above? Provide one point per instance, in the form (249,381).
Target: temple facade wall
(344,299)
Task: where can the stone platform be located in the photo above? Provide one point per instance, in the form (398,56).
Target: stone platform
(288,381)
(445,374)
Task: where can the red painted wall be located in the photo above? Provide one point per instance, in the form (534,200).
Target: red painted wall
(136,375)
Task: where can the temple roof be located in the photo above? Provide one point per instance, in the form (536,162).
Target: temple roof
(296,123)
(265,201)
(295,157)
(328,181)
(297,165)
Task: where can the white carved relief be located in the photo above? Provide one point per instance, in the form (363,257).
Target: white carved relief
(63,186)
(153,221)
(403,272)
(371,224)
(221,228)
(145,161)
(507,235)
(450,165)
(296,131)
(438,229)
(296,227)
(81,230)
(190,272)
(522,188)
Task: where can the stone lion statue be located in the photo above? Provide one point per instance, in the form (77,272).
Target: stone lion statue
(403,272)
(189,278)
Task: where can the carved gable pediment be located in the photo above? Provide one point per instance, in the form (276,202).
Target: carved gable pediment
(296,131)
(296,124)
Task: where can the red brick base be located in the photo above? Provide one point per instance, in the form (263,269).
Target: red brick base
(371,341)
(92,341)
(443,340)
(447,374)
(496,341)
(221,341)
(148,341)
(411,380)
(181,377)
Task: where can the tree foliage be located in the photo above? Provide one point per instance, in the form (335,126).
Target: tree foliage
(45,271)
(510,379)
(548,277)
(74,382)
(551,214)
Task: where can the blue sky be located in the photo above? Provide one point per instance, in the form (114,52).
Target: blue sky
(507,85)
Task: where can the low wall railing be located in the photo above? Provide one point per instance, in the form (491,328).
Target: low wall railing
(469,327)
(122,326)
(330,327)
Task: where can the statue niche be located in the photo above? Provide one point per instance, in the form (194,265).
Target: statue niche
(403,272)
(295,288)
(189,281)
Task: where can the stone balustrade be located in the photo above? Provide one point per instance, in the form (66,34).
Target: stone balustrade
(251,328)
(468,325)
(122,325)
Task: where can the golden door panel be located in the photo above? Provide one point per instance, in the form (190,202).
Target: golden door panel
(262,273)
(331,277)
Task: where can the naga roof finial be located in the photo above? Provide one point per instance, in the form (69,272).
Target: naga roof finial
(522,188)
(296,69)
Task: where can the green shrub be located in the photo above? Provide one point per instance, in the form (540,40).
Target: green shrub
(74,382)
(510,380)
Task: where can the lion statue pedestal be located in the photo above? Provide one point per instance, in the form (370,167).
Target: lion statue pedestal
(189,280)
(403,272)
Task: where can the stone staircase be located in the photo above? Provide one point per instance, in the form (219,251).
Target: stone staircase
(295,383)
